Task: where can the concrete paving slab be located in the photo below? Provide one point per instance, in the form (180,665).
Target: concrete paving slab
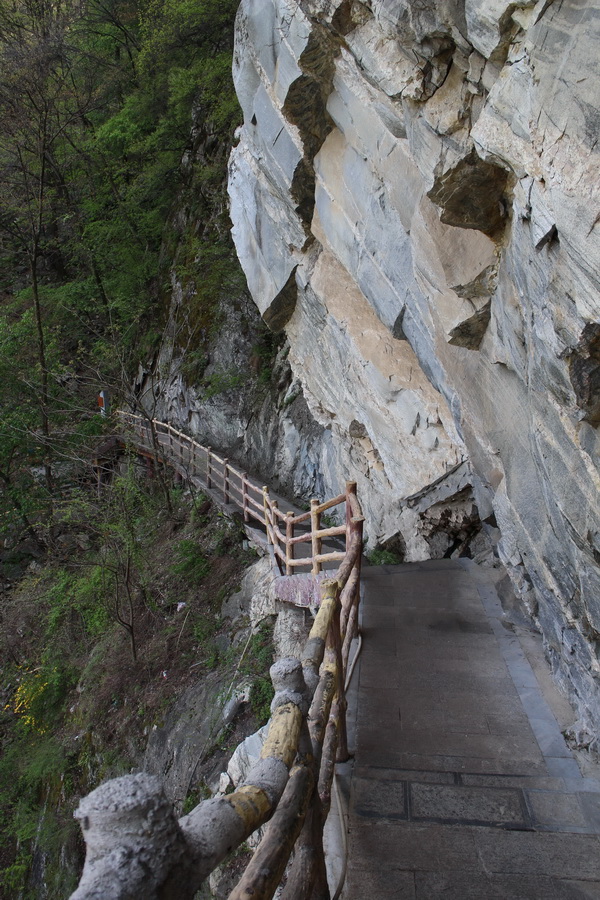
(567,856)
(415,847)
(380,884)
(540,783)
(501,807)
(379,799)
(580,890)
(587,785)
(548,736)
(590,804)
(405,775)
(437,719)
(563,767)
(394,737)
(459,886)
(555,808)
(445,763)
(507,724)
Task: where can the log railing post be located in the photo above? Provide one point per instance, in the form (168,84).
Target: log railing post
(245,503)
(315,524)
(289,547)
(226,496)
(267,509)
(274,508)
(335,646)
(350,489)
(356,528)
(208,468)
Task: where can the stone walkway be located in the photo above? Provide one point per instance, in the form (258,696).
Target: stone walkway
(463,787)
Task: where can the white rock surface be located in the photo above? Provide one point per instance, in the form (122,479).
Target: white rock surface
(431,246)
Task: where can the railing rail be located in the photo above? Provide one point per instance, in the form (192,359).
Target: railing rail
(235,486)
(135,845)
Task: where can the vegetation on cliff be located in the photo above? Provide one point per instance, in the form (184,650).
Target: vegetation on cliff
(97,102)
(116,118)
(97,644)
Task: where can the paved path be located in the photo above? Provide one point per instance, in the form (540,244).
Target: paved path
(463,787)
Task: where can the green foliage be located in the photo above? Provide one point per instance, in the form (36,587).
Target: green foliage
(190,562)
(94,124)
(256,663)
(193,366)
(380,557)
(84,594)
(204,628)
(225,537)
(194,797)
(265,352)
(261,694)
(93,128)
(40,694)
(14,878)
(222,382)
(31,768)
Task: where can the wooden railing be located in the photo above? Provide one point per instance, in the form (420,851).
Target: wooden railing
(286,531)
(136,846)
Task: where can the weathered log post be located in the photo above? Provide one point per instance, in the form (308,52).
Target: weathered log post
(245,502)
(136,847)
(275,524)
(265,870)
(289,547)
(266,510)
(307,875)
(315,525)
(208,468)
(357,527)
(334,655)
(226,496)
(307,878)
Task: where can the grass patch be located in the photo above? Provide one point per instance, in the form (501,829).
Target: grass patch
(380,557)
(190,563)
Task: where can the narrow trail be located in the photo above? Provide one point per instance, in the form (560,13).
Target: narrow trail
(463,787)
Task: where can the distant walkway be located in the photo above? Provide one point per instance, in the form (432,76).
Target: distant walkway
(296,539)
(463,786)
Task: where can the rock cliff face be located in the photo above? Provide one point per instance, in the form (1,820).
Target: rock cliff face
(416,202)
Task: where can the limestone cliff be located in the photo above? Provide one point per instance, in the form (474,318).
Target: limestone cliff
(416,203)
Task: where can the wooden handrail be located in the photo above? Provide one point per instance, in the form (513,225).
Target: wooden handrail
(307,733)
(234,485)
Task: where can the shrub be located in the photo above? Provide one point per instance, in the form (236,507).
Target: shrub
(190,562)
(381,557)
